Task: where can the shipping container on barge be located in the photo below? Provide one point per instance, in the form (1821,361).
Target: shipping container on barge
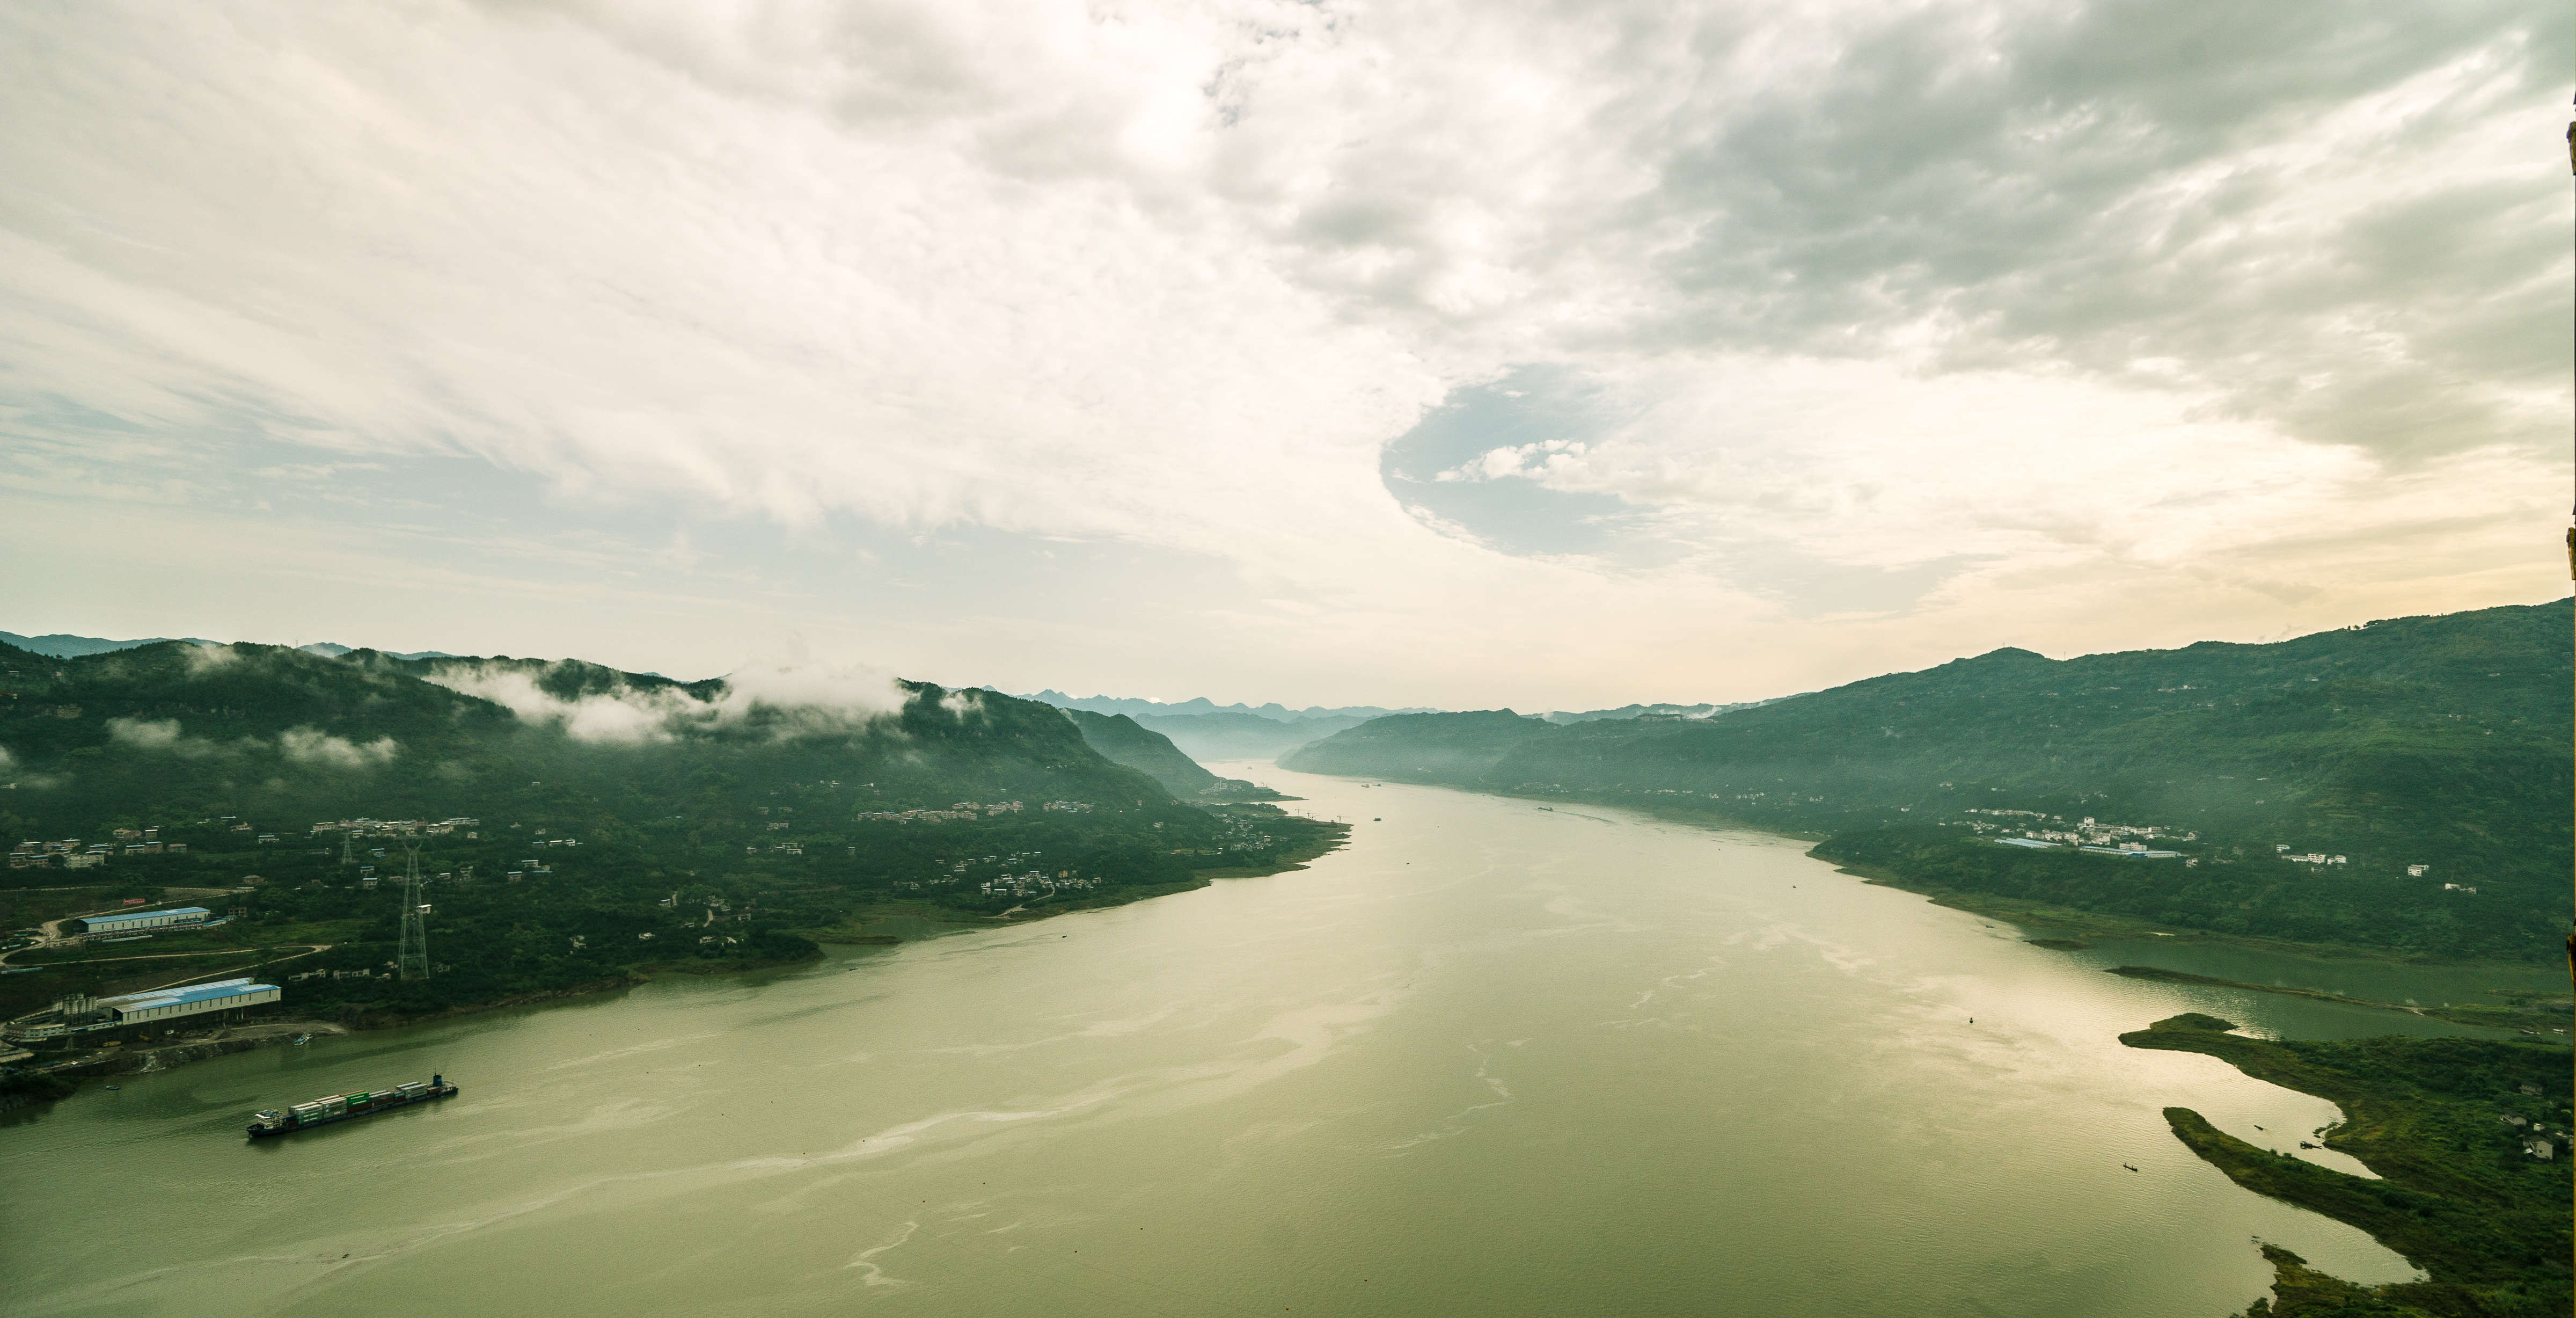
(343,1107)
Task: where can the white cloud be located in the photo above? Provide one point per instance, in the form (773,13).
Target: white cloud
(144,734)
(315,747)
(159,736)
(788,698)
(808,697)
(628,716)
(204,659)
(2218,312)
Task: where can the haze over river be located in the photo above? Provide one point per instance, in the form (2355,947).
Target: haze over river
(1489,1059)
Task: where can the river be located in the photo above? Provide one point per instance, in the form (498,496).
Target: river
(1491,1058)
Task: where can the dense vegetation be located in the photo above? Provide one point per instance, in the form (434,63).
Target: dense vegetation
(2445,1124)
(611,822)
(2441,742)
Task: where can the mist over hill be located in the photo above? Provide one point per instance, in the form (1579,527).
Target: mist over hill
(2439,742)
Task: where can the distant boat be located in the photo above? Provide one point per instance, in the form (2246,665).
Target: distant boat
(2127,1165)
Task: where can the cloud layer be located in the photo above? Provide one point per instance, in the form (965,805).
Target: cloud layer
(1857,328)
(785,699)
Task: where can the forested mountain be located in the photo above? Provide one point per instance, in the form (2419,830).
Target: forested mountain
(791,800)
(2434,741)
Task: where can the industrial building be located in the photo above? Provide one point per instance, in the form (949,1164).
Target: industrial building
(126,922)
(162,1004)
(81,1014)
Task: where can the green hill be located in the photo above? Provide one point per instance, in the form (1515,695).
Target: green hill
(2436,741)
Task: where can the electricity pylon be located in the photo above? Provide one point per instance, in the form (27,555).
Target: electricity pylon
(411,961)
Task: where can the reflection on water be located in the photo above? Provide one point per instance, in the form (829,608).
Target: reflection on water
(1489,1059)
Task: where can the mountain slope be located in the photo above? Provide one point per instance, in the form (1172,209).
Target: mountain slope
(1123,739)
(59,645)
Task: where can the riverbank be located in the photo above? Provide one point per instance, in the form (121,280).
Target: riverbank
(58,1077)
(2066,929)
(2053,926)
(2449,1125)
(871,925)
(865,927)
(2527,1014)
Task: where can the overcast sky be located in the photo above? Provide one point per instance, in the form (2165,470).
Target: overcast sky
(1439,353)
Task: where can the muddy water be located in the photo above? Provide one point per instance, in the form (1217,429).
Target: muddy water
(1490,1059)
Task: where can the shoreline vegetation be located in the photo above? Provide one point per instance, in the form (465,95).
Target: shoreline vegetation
(2451,1126)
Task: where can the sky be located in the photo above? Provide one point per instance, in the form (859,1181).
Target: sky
(1432,353)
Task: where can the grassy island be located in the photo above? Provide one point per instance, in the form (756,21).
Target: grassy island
(2449,1125)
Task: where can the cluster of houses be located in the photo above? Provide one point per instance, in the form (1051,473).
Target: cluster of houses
(2092,835)
(1035,883)
(2088,833)
(960,811)
(394,827)
(76,853)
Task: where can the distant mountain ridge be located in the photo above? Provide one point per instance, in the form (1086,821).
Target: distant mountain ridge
(1199,705)
(1205,730)
(62,645)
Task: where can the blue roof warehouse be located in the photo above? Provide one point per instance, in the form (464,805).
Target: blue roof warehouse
(121,922)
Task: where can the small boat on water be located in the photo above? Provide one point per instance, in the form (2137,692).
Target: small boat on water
(343,1107)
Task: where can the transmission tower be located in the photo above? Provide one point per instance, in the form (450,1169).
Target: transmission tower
(348,846)
(411,961)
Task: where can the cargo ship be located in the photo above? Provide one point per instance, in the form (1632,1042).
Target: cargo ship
(344,1107)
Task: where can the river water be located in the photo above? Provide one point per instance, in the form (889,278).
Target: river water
(1490,1058)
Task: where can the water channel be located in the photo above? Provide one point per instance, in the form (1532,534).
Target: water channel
(1491,1058)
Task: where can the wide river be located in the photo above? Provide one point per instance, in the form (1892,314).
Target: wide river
(1489,1059)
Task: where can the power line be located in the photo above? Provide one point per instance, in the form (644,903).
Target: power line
(411,960)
